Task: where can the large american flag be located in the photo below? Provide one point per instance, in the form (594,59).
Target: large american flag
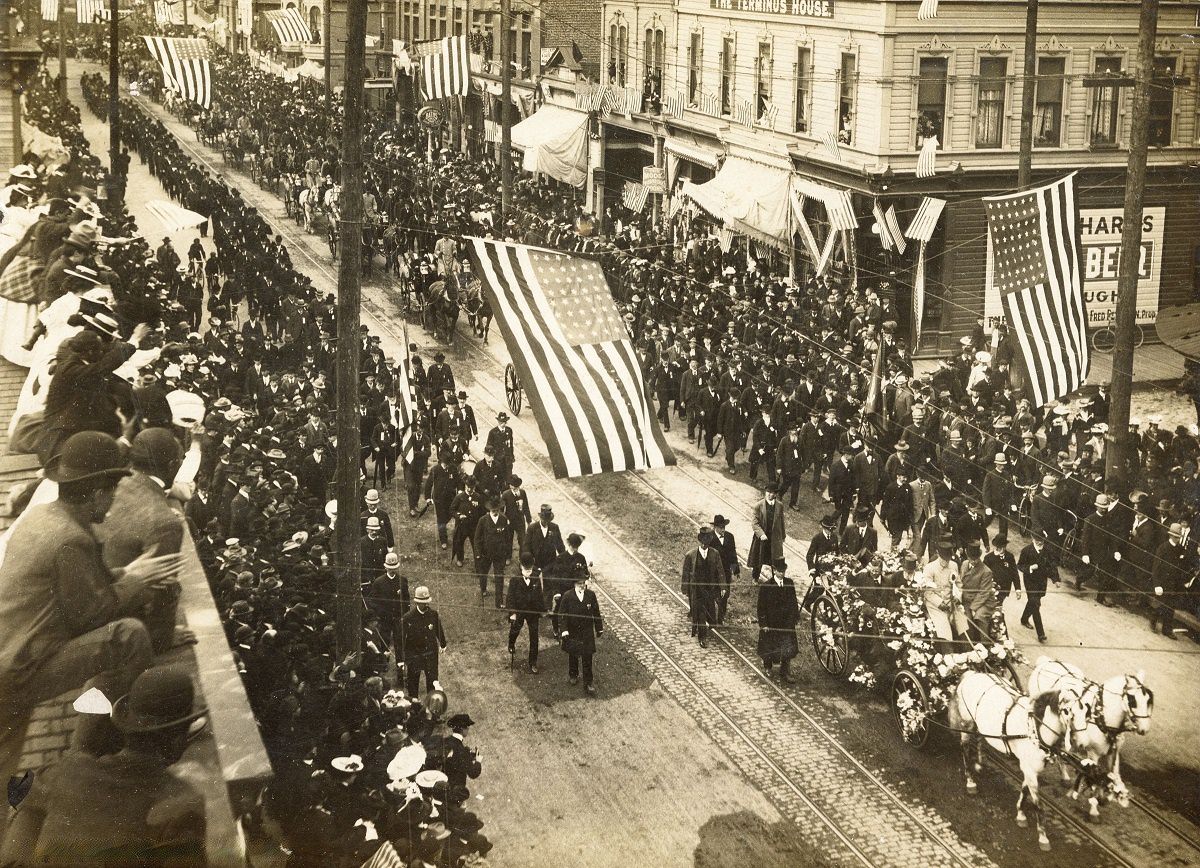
(49,10)
(185,66)
(406,405)
(289,26)
(448,71)
(574,358)
(91,11)
(1034,242)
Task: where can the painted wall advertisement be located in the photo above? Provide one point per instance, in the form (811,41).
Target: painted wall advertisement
(1100,242)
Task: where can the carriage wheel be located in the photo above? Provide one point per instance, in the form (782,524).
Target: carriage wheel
(1009,673)
(910,708)
(512,389)
(830,636)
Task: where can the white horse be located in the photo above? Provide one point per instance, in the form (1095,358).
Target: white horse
(985,707)
(1120,705)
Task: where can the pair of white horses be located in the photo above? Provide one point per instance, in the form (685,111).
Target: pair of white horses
(1065,714)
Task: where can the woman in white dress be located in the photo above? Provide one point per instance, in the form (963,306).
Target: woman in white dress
(16,318)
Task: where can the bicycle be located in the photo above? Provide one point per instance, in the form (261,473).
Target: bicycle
(1104,338)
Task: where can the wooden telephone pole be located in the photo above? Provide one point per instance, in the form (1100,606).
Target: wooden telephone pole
(1131,251)
(505,107)
(1028,95)
(349,556)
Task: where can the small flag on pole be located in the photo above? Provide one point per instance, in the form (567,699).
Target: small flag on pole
(185,65)
(1033,249)
(447,72)
(926,161)
(406,405)
(829,140)
(885,235)
(574,357)
(49,10)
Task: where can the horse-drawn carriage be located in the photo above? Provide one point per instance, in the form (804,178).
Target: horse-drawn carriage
(970,689)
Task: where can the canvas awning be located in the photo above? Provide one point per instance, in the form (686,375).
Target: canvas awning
(689,151)
(751,198)
(554,139)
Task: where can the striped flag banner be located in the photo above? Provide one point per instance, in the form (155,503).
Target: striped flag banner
(927,159)
(90,11)
(885,237)
(926,219)
(829,140)
(675,104)
(168,12)
(839,209)
(725,239)
(918,293)
(583,96)
(632,103)
(743,113)
(49,10)
(928,10)
(710,104)
(612,101)
(596,98)
(634,195)
(574,358)
(185,65)
(406,404)
(289,25)
(447,72)
(385,857)
(769,115)
(1033,259)
(892,223)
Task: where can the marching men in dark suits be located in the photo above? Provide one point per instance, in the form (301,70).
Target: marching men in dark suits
(493,547)
(778,614)
(725,544)
(578,614)
(526,602)
(705,582)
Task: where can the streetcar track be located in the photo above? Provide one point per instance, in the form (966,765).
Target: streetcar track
(299,242)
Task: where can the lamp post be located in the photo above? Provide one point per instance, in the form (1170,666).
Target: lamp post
(115,181)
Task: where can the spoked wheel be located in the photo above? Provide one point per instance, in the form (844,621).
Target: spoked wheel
(512,389)
(910,708)
(1009,673)
(830,636)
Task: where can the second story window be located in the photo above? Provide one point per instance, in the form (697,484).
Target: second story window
(728,61)
(762,98)
(989,111)
(1106,104)
(618,47)
(1162,101)
(847,88)
(803,87)
(695,55)
(931,100)
(1048,102)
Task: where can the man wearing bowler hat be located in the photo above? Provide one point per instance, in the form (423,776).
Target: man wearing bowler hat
(91,808)
(500,439)
(461,762)
(65,617)
(704,584)
(725,544)
(526,603)
(778,614)
(578,611)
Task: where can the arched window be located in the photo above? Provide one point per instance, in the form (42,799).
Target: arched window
(314,22)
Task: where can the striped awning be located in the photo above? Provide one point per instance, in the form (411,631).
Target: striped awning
(289,25)
(699,155)
(839,207)
(926,219)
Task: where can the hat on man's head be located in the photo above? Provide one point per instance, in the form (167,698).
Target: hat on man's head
(162,697)
(422,595)
(720,521)
(829,521)
(88,456)
(371,497)
(460,721)
(391,559)
(575,539)
(83,237)
(155,450)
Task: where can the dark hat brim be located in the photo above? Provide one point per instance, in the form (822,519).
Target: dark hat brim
(126,720)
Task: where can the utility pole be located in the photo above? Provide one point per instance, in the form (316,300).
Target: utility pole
(350,223)
(117,187)
(327,38)
(185,14)
(505,106)
(1131,251)
(1028,94)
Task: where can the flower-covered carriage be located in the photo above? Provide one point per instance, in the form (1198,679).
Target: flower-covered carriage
(870,624)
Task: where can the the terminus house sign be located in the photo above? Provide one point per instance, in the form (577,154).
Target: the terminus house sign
(799,8)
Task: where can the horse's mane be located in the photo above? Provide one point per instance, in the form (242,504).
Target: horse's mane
(1044,701)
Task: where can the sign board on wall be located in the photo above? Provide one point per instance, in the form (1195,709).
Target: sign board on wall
(1100,243)
(654,179)
(794,8)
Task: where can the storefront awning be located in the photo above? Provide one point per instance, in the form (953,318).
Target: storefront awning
(697,154)
(751,198)
(554,139)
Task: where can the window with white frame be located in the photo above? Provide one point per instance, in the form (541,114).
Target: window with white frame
(728,70)
(847,96)
(931,99)
(1048,102)
(989,102)
(803,77)
(695,76)
(1106,104)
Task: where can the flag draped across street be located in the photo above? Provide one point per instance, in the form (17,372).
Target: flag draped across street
(447,72)
(49,10)
(1034,248)
(574,358)
(174,218)
(185,66)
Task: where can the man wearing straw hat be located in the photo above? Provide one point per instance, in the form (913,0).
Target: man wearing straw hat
(420,638)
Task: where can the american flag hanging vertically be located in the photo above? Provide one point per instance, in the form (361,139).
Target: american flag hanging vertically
(406,404)
(885,235)
(574,358)
(1034,248)
(90,11)
(927,159)
(49,10)
(675,104)
(448,71)
(633,196)
(385,857)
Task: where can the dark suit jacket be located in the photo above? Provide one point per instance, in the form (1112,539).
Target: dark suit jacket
(704,578)
(860,543)
(140,520)
(545,545)
(821,545)
(775,531)
(841,484)
(581,620)
(526,600)
(493,539)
